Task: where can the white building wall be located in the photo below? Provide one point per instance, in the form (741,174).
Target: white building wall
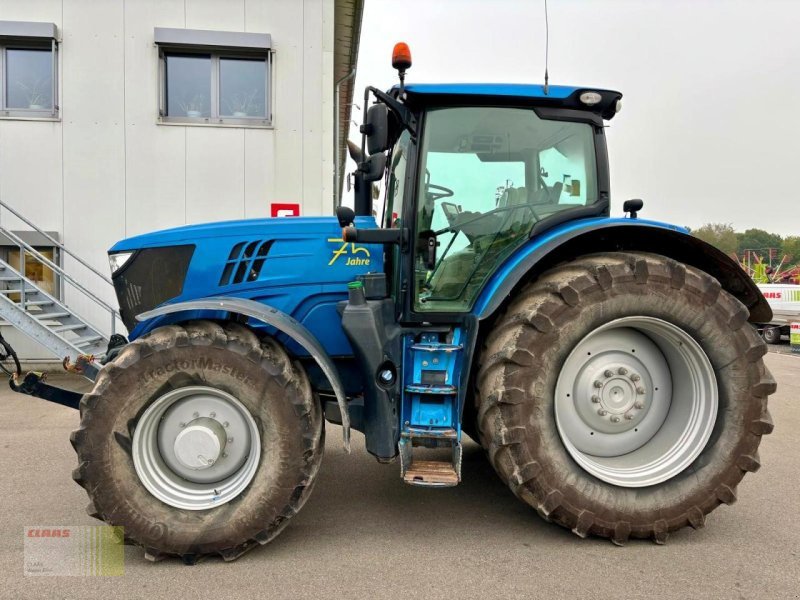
(108,170)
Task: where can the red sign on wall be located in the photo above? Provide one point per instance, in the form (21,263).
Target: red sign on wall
(282,209)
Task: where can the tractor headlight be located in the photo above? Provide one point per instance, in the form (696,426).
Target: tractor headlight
(118,260)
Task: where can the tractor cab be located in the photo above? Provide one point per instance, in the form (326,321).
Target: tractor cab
(472,172)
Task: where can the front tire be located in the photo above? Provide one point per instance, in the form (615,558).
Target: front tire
(199,440)
(521,380)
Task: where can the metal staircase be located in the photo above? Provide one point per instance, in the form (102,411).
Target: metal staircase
(39,314)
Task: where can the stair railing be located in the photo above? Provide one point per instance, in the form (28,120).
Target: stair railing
(63,275)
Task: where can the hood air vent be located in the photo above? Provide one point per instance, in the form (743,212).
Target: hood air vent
(245,261)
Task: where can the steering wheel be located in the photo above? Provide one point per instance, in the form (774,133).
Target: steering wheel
(439,191)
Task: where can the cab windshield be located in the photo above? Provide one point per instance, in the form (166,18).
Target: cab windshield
(488,174)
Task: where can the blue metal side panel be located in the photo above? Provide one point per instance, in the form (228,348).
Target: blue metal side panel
(547,240)
(304,274)
(431,406)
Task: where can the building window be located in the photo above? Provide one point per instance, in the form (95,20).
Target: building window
(203,83)
(34,270)
(28,62)
(28,264)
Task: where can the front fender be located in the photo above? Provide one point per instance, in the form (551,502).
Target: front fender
(587,236)
(275,318)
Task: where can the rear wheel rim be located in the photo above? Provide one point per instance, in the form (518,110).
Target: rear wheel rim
(636,401)
(196,448)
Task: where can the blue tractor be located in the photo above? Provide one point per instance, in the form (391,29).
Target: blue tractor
(605,364)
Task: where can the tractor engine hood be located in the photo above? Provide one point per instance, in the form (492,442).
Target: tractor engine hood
(279,262)
(274,228)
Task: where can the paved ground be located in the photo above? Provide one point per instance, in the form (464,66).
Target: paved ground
(365,534)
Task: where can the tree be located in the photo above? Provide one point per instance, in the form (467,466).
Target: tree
(791,248)
(758,239)
(720,235)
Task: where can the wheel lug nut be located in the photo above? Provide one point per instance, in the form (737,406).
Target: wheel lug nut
(640,390)
(638,405)
(182,425)
(622,371)
(608,373)
(598,384)
(602,412)
(226,424)
(595,399)
(635,377)
(195,415)
(615,419)
(212,415)
(628,417)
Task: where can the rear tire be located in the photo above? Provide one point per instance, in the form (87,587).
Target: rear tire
(269,390)
(530,343)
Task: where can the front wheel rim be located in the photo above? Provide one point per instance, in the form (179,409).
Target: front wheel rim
(196,448)
(636,401)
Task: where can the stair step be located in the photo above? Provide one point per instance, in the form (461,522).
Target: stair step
(431,473)
(422,388)
(28,290)
(52,315)
(10,278)
(85,341)
(70,327)
(429,347)
(38,302)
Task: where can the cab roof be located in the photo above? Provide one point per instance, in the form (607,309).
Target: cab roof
(557,96)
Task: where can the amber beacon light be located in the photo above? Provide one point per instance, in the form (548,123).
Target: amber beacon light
(401,56)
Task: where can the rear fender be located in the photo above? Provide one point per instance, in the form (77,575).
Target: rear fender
(272,317)
(587,236)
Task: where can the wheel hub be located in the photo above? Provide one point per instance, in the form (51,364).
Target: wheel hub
(196,447)
(616,399)
(200,444)
(203,438)
(636,400)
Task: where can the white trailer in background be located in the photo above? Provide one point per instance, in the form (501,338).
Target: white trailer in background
(785,302)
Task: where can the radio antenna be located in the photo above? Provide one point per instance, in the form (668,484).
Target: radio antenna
(546,49)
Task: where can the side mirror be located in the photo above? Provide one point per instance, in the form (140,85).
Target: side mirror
(376,128)
(374,167)
(632,206)
(345,215)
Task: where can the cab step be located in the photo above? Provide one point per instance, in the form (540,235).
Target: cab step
(436,347)
(430,388)
(430,410)
(431,473)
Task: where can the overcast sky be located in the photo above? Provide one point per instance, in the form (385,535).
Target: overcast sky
(710,125)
